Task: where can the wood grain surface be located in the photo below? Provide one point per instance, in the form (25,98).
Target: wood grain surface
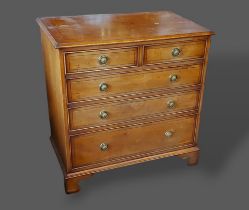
(85,116)
(72,31)
(163,53)
(56,95)
(79,89)
(86,148)
(79,61)
(138,72)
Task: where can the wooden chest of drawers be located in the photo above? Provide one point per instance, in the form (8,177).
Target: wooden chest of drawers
(123,89)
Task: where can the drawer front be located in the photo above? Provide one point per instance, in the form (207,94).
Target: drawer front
(78,89)
(168,134)
(101,59)
(108,113)
(173,52)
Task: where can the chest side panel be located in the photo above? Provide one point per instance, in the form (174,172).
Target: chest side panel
(56,96)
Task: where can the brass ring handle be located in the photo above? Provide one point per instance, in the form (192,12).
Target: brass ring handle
(176,52)
(171,104)
(103,86)
(103,59)
(103,114)
(103,146)
(168,134)
(173,78)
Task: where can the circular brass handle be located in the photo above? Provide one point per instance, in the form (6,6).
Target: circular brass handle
(176,52)
(173,78)
(103,146)
(103,114)
(103,86)
(103,59)
(168,134)
(171,104)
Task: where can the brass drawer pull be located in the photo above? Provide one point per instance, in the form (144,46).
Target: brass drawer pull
(103,114)
(176,52)
(103,59)
(103,86)
(171,104)
(103,146)
(168,134)
(173,78)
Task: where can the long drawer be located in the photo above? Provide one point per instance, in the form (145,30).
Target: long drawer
(127,110)
(79,89)
(107,145)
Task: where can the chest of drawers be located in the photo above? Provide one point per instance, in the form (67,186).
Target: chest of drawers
(123,89)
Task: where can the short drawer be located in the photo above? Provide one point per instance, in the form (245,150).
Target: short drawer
(79,89)
(103,146)
(173,52)
(109,113)
(101,59)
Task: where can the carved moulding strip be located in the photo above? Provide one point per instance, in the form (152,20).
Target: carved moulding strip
(132,156)
(133,123)
(112,72)
(138,95)
(145,97)
(137,119)
(131,162)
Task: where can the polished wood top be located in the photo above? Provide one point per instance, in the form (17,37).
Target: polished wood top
(72,31)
